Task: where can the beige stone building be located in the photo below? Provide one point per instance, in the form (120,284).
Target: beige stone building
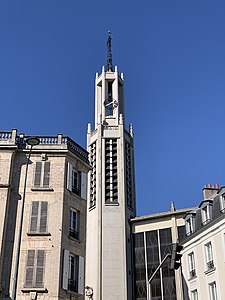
(153,236)
(51,260)
(203,261)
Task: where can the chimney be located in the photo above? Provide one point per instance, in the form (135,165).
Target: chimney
(210,190)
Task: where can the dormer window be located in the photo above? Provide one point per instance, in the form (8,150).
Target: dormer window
(222,203)
(206,211)
(190,224)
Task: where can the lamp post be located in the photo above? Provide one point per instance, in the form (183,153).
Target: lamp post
(32,141)
(149,295)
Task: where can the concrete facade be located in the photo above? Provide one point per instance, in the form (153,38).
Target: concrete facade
(47,228)
(153,236)
(203,261)
(111,194)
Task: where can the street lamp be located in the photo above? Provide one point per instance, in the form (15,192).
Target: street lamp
(32,141)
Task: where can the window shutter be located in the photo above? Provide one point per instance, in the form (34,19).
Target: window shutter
(81,276)
(37,177)
(78,224)
(65,270)
(69,176)
(39,281)
(46,178)
(79,183)
(34,216)
(30,268)
(84,185)
(43,216)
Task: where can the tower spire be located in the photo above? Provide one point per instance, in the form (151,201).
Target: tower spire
(109,66)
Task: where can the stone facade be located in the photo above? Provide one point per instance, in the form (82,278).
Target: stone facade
(111,194)
(203,261)
(54,219)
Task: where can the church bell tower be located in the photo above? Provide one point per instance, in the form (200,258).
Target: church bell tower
(111,191)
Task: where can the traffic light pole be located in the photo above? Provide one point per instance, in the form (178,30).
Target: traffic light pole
(149,296)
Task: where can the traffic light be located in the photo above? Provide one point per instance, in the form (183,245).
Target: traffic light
(176,256)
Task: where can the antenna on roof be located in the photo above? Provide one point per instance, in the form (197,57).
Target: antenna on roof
(109,66)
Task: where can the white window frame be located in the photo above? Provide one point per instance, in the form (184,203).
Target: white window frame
(206,212)
(194,294)
(213,291)
(191,262)
(209,256)
(222,203)
(189,225)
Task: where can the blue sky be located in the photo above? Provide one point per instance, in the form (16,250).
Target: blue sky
(172,54)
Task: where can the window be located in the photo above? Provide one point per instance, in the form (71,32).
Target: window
(194,295)
(73,272)
(212,291)
(189,223)
(206,210)
(222,203)
(38,218)
(42,174)
(209,256)
(191,260)
(74,223)
(35,268)
(76,181)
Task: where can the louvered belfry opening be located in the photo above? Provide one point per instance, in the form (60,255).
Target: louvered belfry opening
(128,162)
(93,175)
(111,182)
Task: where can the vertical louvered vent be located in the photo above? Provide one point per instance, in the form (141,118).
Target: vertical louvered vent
(93,175)
(111,186)
(128,161)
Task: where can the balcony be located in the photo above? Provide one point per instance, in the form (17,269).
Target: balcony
(74,234)
(73,285)
(210,265)
(75,190)
(192,274)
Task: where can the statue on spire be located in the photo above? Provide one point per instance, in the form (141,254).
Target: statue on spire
(109,58)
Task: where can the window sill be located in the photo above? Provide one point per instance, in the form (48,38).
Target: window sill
(74,239)
(192,278)
(43,189)
(209,271)
(34,289)
(38,233)
(73,293)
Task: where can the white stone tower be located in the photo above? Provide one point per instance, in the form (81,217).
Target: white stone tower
(111,196)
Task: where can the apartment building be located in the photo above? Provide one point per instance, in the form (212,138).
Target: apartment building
(42,191)
(203,261)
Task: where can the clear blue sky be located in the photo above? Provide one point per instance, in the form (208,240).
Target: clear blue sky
(172,53)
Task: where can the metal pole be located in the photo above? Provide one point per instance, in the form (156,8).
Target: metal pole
(15,279)
(153,275)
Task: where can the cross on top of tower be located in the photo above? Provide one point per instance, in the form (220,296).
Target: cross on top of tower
(109,66)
